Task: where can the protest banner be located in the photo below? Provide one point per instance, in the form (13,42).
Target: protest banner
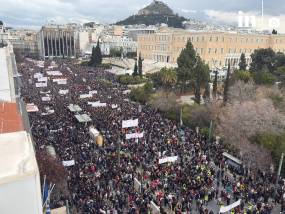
(130,123)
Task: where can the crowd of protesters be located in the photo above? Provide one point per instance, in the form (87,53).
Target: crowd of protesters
(124,176)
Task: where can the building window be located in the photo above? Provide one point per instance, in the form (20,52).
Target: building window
(222,50)
(209,51)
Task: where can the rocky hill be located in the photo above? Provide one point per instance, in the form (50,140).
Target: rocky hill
(155,13)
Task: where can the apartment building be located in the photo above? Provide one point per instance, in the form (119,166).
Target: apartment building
(217,49)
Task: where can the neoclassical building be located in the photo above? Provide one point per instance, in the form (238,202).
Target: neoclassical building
(217,49)
(58,41)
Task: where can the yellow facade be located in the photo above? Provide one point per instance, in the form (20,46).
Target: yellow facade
(216,48)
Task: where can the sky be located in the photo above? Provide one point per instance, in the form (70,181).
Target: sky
(35,13)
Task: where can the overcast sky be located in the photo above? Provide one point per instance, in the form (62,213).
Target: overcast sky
(35,13)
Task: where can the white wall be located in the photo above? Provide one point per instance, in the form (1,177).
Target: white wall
(22,196)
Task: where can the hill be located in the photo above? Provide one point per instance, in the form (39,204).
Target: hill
(156,7)
(153,19)
(155,13)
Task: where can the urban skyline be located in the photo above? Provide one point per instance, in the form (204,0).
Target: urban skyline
(33,14)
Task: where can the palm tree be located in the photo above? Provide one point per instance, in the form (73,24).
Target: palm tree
(168,78)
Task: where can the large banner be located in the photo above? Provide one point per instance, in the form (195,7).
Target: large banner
(134,135)
(41,84)
(168,159)
(130,123)
(231,206)
(68,163)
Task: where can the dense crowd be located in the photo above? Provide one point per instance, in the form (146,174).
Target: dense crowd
(124,176)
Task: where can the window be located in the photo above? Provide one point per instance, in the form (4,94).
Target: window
(210,39)
(222,50)
(209,51)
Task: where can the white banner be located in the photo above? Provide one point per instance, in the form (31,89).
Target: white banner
(168,159)
(134,136)
(31,107)
(231,206)
(126,91)
(38,75)
(54,73)
(99,104)
(63,92)
(51,111)
(68,163)
(60,81)
(93,92)
(83,96)
(42,79)
(46,99)
(130,123)
(114,106)
(91,103)
(41,84)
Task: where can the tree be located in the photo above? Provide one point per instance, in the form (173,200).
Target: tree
(274,32)
(242,75)
(135,73)
(239,121)
(207,92)
(262,59)
(140,65)
(163,101)
(186,65)
(168,77)
(242,64)
(215,84)
(96,56)
(226,86)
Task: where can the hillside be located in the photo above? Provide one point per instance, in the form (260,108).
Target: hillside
(155,13)
(153,19)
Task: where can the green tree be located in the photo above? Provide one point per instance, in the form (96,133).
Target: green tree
(140,65)
(201,77)
(92,58)
(262,59)
(135,69)
(279,60)
(215,84)
(206,94)
(226,86)
(96,56)
(264,77)
(186,65)
(242,64)
(168,77)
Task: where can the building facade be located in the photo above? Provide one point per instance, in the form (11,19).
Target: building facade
(217,49)
(58,41)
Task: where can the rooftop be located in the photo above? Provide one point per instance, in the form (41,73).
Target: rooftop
(17,158)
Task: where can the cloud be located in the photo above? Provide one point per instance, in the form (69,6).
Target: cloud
(37,12)
(187,11)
